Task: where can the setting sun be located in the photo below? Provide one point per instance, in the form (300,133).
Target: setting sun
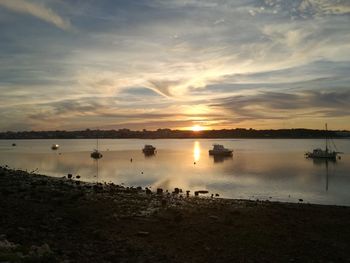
(197,128)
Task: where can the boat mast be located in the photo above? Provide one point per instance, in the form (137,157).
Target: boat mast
(326,139)
(97,140)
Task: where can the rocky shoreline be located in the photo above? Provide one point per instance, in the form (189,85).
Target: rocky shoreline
(46,219)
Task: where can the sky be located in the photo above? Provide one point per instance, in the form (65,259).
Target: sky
(148,64)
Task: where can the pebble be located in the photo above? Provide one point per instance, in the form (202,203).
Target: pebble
(214,217)
(142,234)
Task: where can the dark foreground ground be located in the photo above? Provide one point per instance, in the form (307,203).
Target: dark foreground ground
(45,219)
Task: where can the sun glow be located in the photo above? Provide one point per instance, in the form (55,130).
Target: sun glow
(197,128)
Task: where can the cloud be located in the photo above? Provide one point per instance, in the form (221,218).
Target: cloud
(323,7)
(153,59)
(283,105)
(37,10)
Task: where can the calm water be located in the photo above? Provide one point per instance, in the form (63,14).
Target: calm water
(263,169)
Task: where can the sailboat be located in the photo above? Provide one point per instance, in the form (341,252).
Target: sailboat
(323,154)
(96,154)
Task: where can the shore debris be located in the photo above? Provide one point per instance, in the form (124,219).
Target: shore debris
(196,193)
(148,191)
(142,234)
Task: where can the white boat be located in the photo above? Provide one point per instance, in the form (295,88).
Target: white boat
(219,149)
(55,146)
(323,154)
(149,149)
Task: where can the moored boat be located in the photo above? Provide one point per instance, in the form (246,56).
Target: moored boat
(149,149)
(55,146)
(318,153)
(219,149)
(96,154)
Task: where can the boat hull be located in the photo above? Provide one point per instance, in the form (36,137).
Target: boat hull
(322,155)
(96,155)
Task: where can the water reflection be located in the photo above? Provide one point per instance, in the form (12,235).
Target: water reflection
(220,158)
(196,151)
(96,167)
(325,163)
(149,154)
(321,162)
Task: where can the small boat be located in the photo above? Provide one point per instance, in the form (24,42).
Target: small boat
(219,149)
(96,154)
(323,154)
(149,149)
(54,146)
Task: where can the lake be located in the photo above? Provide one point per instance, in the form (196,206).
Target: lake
(264,169)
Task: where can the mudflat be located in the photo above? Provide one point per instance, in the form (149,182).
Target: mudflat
(47,219)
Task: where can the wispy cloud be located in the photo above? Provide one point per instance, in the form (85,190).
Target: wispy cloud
(284,105)
(38,10)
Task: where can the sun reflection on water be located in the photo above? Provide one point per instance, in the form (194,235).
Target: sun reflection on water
(196,151)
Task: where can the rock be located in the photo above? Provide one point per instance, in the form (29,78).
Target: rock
(78,176)
(301,200)
(176,190)
(214,217)
(188,193)
(148,191)
(69,176)
(178,217)
(41,251)
(7,245)
(142,234)
(164,202)
(159,191)
(217,195)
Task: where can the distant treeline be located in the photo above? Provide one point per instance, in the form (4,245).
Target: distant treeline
(180,134)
